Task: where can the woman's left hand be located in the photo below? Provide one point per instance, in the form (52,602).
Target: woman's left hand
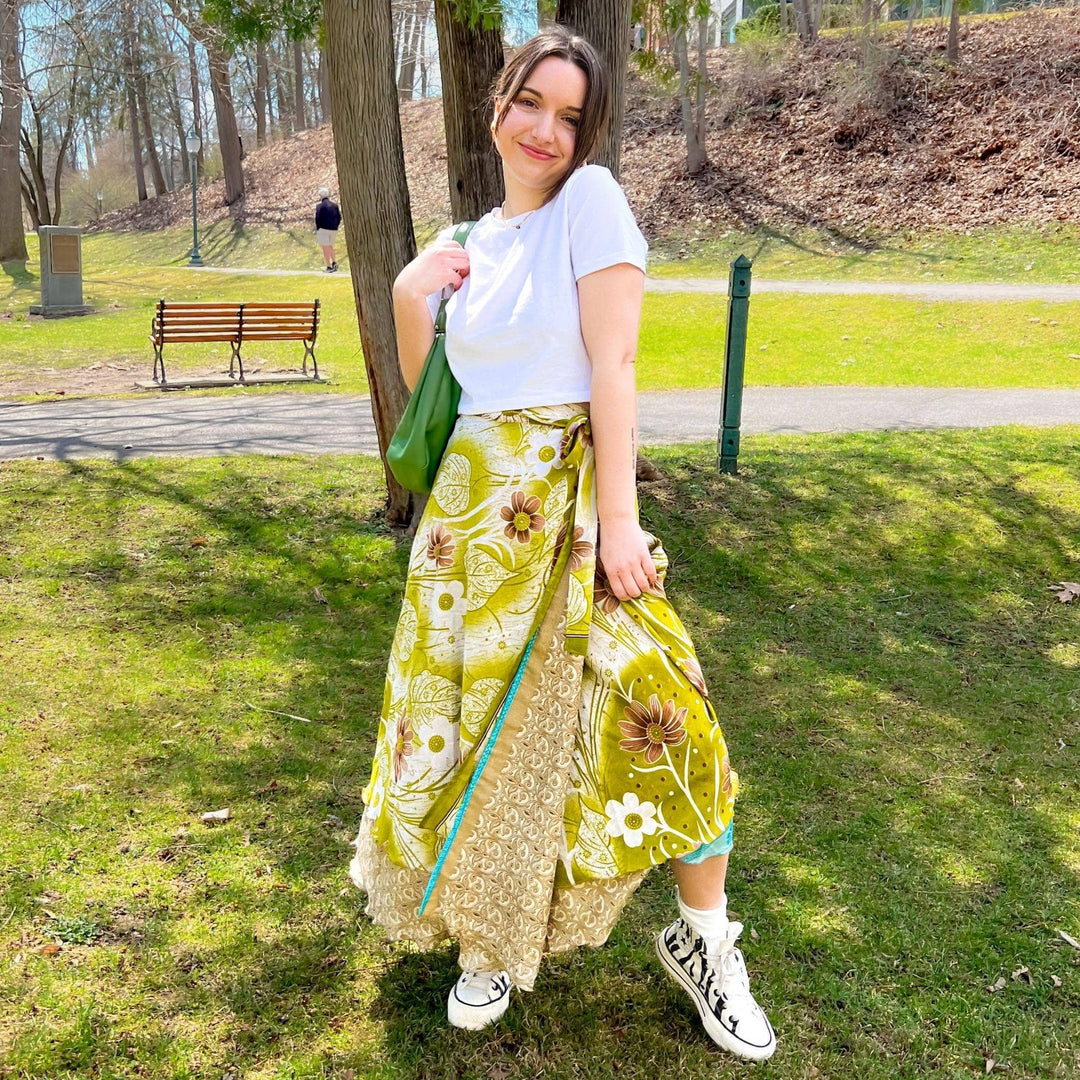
(624,556)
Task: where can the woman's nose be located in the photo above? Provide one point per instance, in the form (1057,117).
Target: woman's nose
(544,127)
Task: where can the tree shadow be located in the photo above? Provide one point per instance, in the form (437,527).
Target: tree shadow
(853,601)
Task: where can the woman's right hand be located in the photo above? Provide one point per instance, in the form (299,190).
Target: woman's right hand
(444,263)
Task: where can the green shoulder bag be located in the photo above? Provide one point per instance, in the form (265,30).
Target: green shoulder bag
(424,430)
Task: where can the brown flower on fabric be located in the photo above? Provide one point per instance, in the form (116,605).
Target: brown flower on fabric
(694,674)
(522,517)
(725,772)
(651,729)
(602,595)
(440,548)
(579,552)
(579,429)
(403,746)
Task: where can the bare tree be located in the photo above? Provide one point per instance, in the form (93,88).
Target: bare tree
(606,25)
(470,56)
(298,84)
(12,240)
(952,49)
(693,118)
(374,201)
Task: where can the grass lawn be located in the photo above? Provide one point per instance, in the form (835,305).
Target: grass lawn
(899,687)
(795,340)
(1049,255)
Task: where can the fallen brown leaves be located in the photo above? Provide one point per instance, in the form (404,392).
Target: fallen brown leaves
(821,137)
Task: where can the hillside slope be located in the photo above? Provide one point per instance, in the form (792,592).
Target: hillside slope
(848,136)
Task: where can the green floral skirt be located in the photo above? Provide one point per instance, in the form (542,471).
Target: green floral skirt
(542,745)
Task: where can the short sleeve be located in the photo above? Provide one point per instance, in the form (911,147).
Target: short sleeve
(603,231)
(435,299)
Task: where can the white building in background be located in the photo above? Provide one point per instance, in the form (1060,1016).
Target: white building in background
(725,14)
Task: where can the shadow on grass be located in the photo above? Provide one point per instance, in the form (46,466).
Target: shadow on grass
(22,277)
(890,670)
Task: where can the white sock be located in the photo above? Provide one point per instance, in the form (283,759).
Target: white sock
(710,924)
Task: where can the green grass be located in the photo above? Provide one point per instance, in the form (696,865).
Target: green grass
(900,690)
(796,340)
(1049,255)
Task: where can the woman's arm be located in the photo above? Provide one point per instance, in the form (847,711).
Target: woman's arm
(610,302)
(444,263)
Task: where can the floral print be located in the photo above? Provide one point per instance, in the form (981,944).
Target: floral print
(652,728)
(440,550)
(522,517)
(580,550)
(645,780)
(404,747)
(631,819)
(603,597)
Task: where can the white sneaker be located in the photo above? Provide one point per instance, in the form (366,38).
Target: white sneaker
(479,998)
(720,988)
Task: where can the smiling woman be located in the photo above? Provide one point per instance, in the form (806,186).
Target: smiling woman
(546,734)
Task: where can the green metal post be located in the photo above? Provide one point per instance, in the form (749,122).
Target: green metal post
(734,363)
(196,259)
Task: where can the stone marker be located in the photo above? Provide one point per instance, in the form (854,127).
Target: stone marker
(61,272)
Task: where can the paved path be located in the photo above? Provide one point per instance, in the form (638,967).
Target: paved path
(240,423)
(931,290)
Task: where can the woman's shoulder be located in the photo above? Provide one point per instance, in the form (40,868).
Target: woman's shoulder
(591,178)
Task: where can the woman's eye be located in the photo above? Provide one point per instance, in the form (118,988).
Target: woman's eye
(572,121)
(526,102)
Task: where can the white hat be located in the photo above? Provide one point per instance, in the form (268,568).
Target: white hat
(324,193)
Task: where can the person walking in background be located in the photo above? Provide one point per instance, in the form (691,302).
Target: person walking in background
(546,735)
(327,223)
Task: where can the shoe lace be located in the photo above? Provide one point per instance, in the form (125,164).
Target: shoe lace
(482,980)
(728,960)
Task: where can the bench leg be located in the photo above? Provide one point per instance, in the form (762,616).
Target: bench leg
(159,362)
(236,361)
(309,350)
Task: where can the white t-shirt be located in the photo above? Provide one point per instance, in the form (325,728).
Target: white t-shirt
(513,329)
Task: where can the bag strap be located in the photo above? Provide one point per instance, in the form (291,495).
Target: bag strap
(460,236)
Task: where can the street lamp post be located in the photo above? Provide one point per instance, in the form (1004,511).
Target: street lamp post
(99,204)
(194,144)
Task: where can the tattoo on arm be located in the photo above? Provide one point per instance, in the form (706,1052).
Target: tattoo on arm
(633,444)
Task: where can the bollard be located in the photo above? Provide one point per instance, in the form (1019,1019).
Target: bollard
(734,362)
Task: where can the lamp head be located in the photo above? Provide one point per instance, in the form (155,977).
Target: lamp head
(193,142)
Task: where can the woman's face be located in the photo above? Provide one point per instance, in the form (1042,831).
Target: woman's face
(537,135)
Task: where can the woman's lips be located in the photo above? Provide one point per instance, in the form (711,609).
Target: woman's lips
(536,155)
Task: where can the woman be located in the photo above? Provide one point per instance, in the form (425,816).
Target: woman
(546,732)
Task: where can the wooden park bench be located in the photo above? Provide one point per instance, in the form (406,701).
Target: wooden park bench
(236,325)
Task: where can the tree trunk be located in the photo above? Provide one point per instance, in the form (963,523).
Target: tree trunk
(132,102)
(784,17)
(326,103)
(228,135)
(172,91)
(702,80)
(298,85)
(695,152)
(196,100)
(423,49)
(160,187)
(262,74)
(374,201)
(469,60)
(408,66)
(606,25)
(952,50)
(12,238)
(914,5)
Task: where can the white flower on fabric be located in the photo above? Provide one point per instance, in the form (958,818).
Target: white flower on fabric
(448,605)
(439,740)
(543,454)
(631,819)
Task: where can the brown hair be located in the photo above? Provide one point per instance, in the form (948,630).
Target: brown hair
(564,44)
